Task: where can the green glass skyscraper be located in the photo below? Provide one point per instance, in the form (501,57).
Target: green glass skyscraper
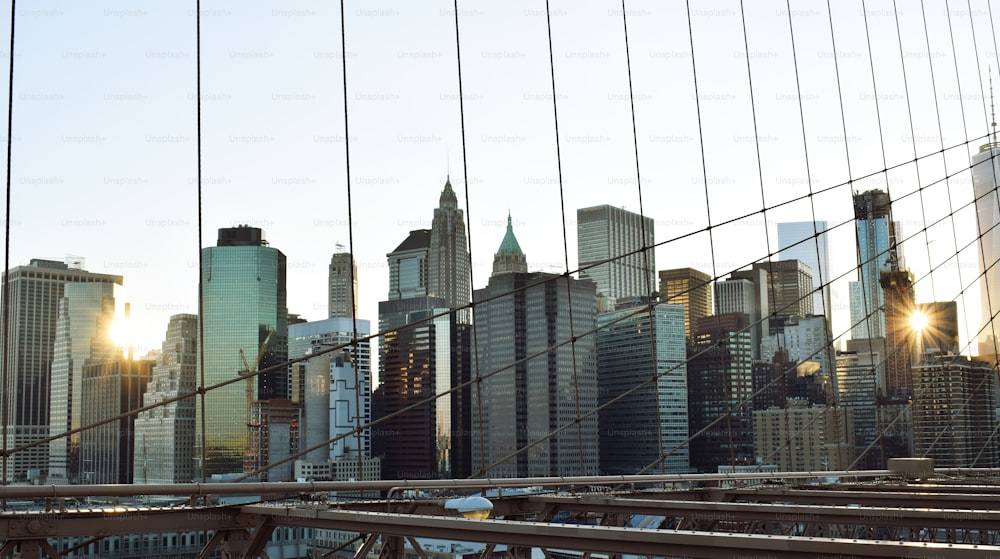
(243,301)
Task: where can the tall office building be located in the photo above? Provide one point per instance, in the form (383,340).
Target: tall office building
(720,385)
(424,357)
(525,315)
(635,343)
(789,287)
(448,257)
(808,242)
(165,436)
(745,292)
(615,250)
(954,412)
(876,235)
(83,336)
(940,334)
(110,389)
(860,376)
(689,288)
(409,267)
(342,285)
(900,337)
(35,291)
(333,403)
(985,170)
(523,400)
(244,305)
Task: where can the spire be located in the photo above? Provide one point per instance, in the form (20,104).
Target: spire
(448,197)
(509,257)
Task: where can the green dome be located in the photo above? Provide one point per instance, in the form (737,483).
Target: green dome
(509,244)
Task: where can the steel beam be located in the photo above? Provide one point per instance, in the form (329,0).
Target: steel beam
(711,545)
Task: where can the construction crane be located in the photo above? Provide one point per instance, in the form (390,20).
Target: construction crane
(250,375)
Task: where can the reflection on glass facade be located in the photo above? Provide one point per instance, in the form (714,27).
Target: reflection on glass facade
(652,421)
(243,289)
(83,337)
(424,357)
(807,242)
(35,291)
(984,183)
(526,400)
(720,379)
(875,235)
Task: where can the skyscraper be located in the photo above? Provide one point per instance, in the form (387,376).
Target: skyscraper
(615,249)
(720,385)
(523,399)
(109,389)
(423,354)
(83,337)
(343,285)
(35,291)
(985,170)
(689,288)
(634,344)
(954,414)
(745,291)
(807,242)
(876,234)
(448,255)
(326,389)
(165,436)
(789,286)
(244,302)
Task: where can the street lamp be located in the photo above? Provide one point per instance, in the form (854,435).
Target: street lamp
(476,508)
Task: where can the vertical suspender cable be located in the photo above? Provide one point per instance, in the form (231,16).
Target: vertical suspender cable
(6,262)
(201,273)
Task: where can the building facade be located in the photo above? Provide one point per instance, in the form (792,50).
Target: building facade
(876,234)
(342,286)
(165,436)
(35,292)
(533,386)
(720,388)
(615,250)
(985,170)
(954,412)
(244,305)
(808,242)
(645,431)
(111,388)
(804,438)
(448,255)
(689,288)
(83,336)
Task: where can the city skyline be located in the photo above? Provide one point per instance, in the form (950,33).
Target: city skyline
(273,136)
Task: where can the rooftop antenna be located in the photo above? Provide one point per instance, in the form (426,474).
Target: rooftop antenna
(993,115)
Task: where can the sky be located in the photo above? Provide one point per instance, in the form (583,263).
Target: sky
(104,155)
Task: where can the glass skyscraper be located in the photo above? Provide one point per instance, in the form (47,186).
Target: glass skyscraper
(610,251)
(652,421)
(448,256)
(876,233)
(243,302)
(83,337)
(35,291)
(985,165)
(807,242)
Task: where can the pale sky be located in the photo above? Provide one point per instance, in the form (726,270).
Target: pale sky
(104,126)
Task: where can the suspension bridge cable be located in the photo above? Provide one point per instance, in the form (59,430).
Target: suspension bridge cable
(4,382)
(562,208)
(201,262)
(654,326)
